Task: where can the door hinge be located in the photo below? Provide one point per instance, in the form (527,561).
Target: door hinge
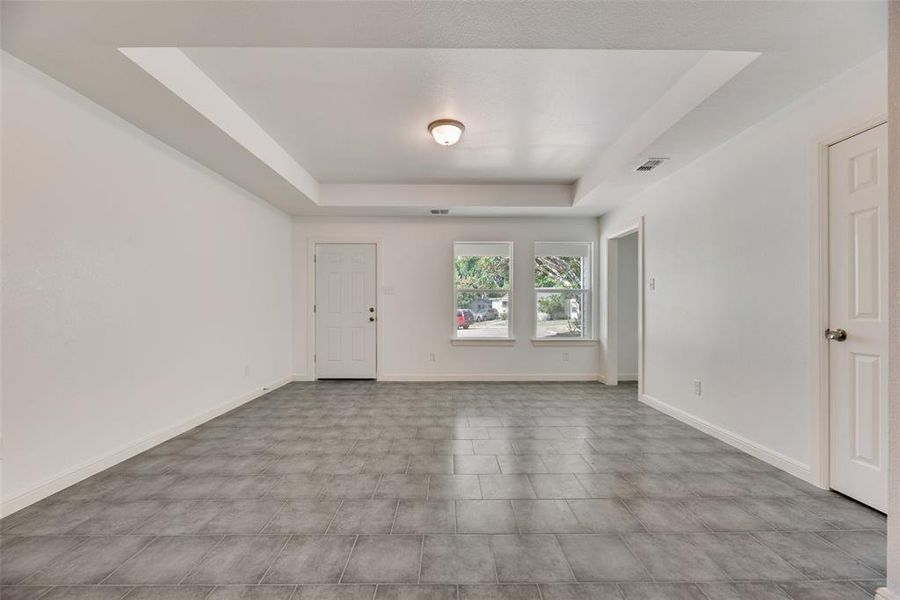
(314,308)
(314,258)
(314,358)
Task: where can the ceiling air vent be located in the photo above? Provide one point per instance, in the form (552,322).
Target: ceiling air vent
(440,211)
(651,163)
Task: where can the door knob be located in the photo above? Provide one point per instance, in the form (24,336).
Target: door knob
(371,318)
(835,335)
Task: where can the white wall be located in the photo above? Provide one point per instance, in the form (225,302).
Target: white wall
(140,290)
(728,241)
(627,307)
(416,320)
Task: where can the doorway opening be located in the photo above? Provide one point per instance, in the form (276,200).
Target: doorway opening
(625,306)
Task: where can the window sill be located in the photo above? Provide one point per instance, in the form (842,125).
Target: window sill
(549,341)
(482,341)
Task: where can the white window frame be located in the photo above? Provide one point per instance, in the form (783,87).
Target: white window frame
(587,277)
(509,294)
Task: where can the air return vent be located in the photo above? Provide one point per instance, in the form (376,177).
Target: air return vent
(651,163)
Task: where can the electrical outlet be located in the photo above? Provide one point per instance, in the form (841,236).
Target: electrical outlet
(697,387)
(652,283)
(431,357)
(565,357)
(246,370)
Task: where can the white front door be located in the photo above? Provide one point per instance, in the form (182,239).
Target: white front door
(345,311)
(858,331)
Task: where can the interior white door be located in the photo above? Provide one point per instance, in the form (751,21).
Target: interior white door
(345,311)
(858,331)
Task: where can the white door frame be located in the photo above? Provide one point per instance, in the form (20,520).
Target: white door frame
(311,299)
(819,372)
(612,308)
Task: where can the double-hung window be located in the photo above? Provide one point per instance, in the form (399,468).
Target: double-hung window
(482,289)
(562,288)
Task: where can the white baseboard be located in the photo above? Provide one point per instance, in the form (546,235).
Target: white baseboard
(886,594)
(85,470)
(774,458)
(303,378)
(494,377)
(628,377)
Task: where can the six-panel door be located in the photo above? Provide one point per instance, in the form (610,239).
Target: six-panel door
(345,311)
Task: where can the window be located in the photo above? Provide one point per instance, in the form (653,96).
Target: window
(562,288)
(482,289)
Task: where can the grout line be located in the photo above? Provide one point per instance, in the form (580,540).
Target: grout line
(347,562)
(275,558)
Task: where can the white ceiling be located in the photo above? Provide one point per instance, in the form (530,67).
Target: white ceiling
(320,107)
(351,115)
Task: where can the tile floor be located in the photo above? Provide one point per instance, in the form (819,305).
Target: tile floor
(499,491)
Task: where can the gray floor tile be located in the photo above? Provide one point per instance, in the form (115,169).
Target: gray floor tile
(311,559)
(475,465)
(164,560)
(815,557)
(485,516)
(86,593)
(784,514)
(298,486)
(90,562)
(500,487)
(672,557)
(457,559)
(512,464)
(303,516)
(604,515)
(252,592)
(504,591)
(825,590)
(364,516)
(242,517)
(416,592)
(334,592)
(181,518)
(601,558)
(529,559)
(117,518)
(23,592)
(566,463)
(454,487)
(431,463)
(580,591)
(743,591)
(725,515)
(606,485)
(419,516)
(407,487)
(351,486)
(869,547)
(662,591)
(665,516)
(181,592)
(237,559)
(546,516)
(558,485)
(744,558)
(25,556)
(384,559)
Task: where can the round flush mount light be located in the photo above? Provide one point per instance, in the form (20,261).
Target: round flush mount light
(446,132)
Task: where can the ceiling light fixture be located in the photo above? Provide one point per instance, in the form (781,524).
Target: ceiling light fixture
(446,132)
